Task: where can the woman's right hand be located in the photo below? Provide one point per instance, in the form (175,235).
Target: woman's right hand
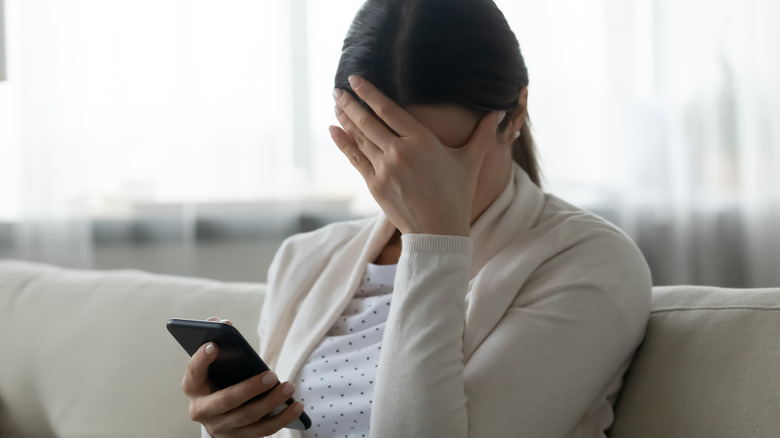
(225,412)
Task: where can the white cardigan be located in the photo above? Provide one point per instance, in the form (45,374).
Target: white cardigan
(522,330)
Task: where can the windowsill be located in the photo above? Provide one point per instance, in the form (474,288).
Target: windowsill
(204,222)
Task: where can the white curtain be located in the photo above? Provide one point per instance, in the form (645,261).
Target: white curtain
(663,116)
(2,41)
(149,110)
(704,192)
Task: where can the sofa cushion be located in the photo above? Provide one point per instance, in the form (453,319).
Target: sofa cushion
(708,367)
(86,353)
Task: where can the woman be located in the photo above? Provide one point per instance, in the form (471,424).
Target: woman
(475,305)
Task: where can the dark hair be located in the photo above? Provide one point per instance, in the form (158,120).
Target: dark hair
(428,52)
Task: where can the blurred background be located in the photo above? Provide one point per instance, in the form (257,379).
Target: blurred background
(190,137)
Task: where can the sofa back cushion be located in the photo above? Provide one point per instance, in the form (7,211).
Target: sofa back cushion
(708,367)
(86,353)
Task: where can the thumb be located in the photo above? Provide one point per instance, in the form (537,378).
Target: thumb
(486,131)
(196,381)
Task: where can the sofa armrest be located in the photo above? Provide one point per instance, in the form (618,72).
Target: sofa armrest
(707,366)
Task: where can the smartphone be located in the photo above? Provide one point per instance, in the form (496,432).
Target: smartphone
(236,361)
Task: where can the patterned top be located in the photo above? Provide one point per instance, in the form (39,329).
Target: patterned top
(337,382)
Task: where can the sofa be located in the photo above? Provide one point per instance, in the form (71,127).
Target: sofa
(85,354)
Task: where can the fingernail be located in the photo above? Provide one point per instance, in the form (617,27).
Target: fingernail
(297,408)
(337,93)
(500,116)
(270,378)
(354,81)
(210,348)
(288,388)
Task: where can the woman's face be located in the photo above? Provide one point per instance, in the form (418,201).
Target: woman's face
(453,125)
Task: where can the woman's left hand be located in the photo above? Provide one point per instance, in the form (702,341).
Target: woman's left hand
(422,186)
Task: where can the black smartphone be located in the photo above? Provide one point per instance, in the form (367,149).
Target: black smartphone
(236,361)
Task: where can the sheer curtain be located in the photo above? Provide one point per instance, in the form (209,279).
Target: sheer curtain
(151,111)
(2,41)
(663,116)
(702,196)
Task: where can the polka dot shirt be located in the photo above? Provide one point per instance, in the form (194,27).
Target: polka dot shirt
(336,383)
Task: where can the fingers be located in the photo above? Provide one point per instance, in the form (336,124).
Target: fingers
(215,319)
(226,400)
(259,415)
(349,148)
(196,381)
(367,123)
(365,144)
(385,108)
(277,422)
(485,131)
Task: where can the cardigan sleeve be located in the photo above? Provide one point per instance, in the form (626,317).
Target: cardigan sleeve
(570,331)
(419,389)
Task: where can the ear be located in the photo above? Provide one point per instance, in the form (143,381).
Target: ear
(519,116)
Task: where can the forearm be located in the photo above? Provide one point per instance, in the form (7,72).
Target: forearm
(420,389)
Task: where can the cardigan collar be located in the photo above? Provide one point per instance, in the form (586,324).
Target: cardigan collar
(330,295)
(515,211)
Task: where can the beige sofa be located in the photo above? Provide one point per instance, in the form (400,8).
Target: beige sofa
(85,354)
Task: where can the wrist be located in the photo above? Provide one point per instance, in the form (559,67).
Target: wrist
(461,229)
